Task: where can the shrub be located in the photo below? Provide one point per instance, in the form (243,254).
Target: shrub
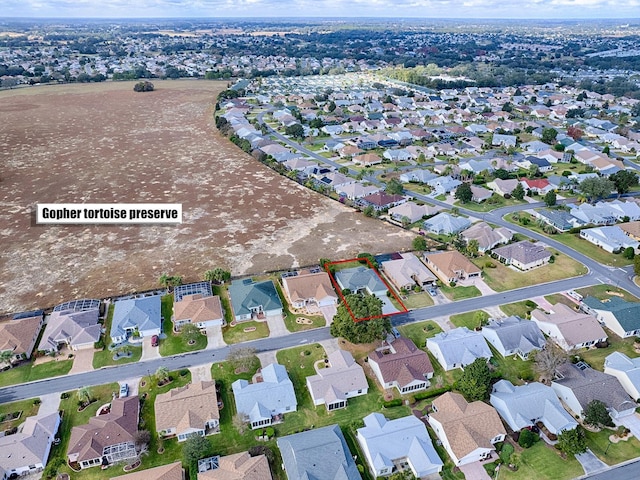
(37,401)
(431,393)
(527,438)
(392,403)
(489,264)
(184,373)
(530,304)
(270,432)
(505,453)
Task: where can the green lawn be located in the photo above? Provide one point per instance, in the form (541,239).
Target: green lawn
(417,300)
(104,357)
(420,331)
(31,373)
(502,278)
(174,343)
(459,292)
(238,334)
(26,408)
(518,308)
(543,462)
(466,319)
(299,363)
(290,317)
(559,298)
(616,452)
(513,368)
(595,357)
(602,292)
(496,201)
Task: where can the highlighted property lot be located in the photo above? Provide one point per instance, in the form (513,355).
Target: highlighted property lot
(366,280)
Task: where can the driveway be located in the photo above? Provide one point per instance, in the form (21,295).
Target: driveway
(214,337)
(590,463)
(329,311)
(387,306)
(277,327)
(82,361)
(201,373)
(149,352)
(267,358)
(632,422)
(474,471)
(50,403)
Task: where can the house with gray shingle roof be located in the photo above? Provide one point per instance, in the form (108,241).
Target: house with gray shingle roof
(254,300)
(524,405)
(341,379)
(611,239)
(265,402)
(578,384)
(75,328)
(318,454)
(626,370)
(140,315)
(458,347)
(360,280)
(561,220)
(514,336)
(618,315)
(524,255)
(446,224)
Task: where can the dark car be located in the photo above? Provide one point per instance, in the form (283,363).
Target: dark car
(154,341)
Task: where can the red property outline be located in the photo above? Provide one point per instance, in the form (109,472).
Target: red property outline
(339,290)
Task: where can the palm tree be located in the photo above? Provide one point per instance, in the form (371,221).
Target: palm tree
(162,374)
(209,276)
(6,356)
(84,395)
(164,280)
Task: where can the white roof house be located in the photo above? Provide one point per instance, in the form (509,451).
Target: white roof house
(610,239)
(626,370)
(514,336)
(458,347)
(446,224)
(386,442)
(525,405)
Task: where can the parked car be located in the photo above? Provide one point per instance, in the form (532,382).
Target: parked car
(154,341)
(433,292)
(124,390)
(395,332)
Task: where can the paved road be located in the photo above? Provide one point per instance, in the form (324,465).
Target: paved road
(117,373)
(629,471)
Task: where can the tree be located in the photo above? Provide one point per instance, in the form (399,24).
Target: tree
(84,395)
(6,356)
(371,259)
(472,248)
(550,198)
(518,192)
(190,333)
(141,439)
(343,170)
(217,275)
(629,253)
(575,133)
(475,381)
(363,331)
(606,150)
(296,130)
(394,187)
(527,438)
(480,318)
(419,243)
(464,193)
(595,188)
(195,448)
(597,415)
(369,211)
(624,180)
(549,135)
(406,221)
(547,361)
(572,442)
(241,358)
(162,374)
(145,86)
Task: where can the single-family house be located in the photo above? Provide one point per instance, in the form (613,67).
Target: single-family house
(309,290)
(443,185)
(335,179)
(626,370)
(264,403)
(354,191)
(408,272)
(624,210)
(321,454)
(523,255)
(569,328)
(19,335)
(417,176)
(577,385)
(631,229)
(514,336)
(561,220)
(387,444)
(140,316)
(361,280)
(202,311)
(599,214)
(239,466)
(77,328)
(487,236)
(340,380)
(504,140)
(254,300)
(397,155)
(468,431)
(525,405)
(541,186)
(367,159)
(382,200)
(503,187)
(618,315)
(542,163)
(108,438)
(458,348)
(476,166)
(480,194)
(187,411)
(611,239)
(402,365)
(446,224)
(27,451)
(451,266)
(170,471)
(413,211)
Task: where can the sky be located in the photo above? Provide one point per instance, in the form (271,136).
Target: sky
(551,9)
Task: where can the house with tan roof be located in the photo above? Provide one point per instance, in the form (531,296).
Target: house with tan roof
(413,211)
(468,431)
(341,379)
(402,365)
(309,290)
(202,311)
(487,236)
(568,328)
(171,471)
(106,439)
(187,411)
(408,272)
(74,324)
(451,266)
(367,159)
(239,466)
(20,335)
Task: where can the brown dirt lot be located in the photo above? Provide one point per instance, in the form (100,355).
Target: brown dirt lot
(105,143)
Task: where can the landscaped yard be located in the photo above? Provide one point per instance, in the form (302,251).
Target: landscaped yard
(420,331)
(22,408)
(470,320)
(543,462)
(30,372)
(559,298)
(417,300)
(496,201)
(245,331)
(316,321)
(174,343)
(459,292)
(521,309)
(603,292)
(595,356)
(503,278)
(104,357)
(513,368)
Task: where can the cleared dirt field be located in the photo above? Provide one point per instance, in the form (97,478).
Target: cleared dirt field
(105,143)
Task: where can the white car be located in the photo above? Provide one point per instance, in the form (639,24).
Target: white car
(124,390)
